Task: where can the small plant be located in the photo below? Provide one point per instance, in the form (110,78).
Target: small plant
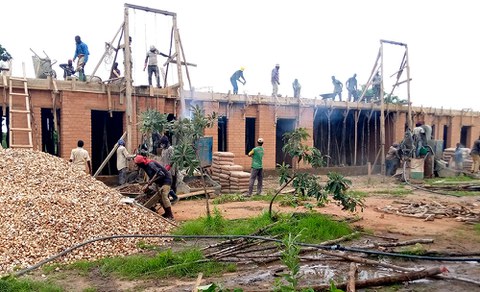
(307,184)
(337,185)
(292,261)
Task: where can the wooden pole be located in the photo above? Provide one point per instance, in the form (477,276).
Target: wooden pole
(179,68)
(108,156)
(105,53)
(128,82)
(409,115)
(382,115)
(184,62)
(356,138)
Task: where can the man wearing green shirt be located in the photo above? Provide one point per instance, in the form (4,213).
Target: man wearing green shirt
(257,168)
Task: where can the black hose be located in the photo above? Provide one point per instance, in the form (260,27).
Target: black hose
(325,247)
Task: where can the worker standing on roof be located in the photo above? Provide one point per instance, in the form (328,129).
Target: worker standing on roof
(236,77)
(296,88)
(275,80)
(351,85)
(337,88)
(81,51)
(161,180)
(151,60)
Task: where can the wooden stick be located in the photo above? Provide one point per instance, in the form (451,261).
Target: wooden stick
(197,283)
(202,192)
(388,280)
(394,244)
(108,156)
(352,276)
(340,239)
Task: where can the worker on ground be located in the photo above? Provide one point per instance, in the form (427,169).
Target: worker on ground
(475,153)
(166,159)
(376,85)
(275,80)
(151,60)
(257,168)
(81,51)
(122,162)
(236,77)
(351,85)
(80,158)
(4,132)
(419,138)
(161,180)
(458,157)
(68,69)
(296,88)
(337,88)
(392,160)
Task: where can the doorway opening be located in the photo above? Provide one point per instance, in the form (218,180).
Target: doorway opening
(106,131)
(49,135)
(283,126)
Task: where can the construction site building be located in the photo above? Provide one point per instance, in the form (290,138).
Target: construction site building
(348,132)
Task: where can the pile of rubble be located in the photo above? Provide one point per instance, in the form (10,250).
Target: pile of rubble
(46,207)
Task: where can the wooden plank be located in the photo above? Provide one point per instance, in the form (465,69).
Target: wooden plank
(202,192)
(109,156)
(109,100)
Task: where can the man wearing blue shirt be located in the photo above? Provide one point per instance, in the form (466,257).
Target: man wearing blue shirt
(237,76)
(81,51)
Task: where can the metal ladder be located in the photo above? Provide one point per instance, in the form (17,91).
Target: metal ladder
(15,130)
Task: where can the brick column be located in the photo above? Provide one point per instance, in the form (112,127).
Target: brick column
(266,130)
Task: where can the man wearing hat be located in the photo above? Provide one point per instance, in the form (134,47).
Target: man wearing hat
(161,180)
(151,60)
(257,167)
(122,157)
(237,76)
(275,80)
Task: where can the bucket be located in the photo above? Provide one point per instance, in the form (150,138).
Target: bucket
(416,168)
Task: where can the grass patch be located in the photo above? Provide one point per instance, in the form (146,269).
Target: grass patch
(450,180)
(416,249)
(461,193)
(187,263)
(399,191)
(314,227)
(357,194)
(476,227)
(229,198)
(26,285)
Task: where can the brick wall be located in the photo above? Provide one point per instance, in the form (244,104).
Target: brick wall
(76,107)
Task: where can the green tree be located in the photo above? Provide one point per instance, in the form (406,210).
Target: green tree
(186,133)
(305,183)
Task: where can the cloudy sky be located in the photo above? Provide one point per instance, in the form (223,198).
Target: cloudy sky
(311,40)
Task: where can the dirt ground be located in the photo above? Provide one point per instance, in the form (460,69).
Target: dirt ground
(448,234)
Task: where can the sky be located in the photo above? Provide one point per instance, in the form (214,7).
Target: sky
(311,40)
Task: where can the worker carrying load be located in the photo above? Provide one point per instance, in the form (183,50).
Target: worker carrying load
(158,187)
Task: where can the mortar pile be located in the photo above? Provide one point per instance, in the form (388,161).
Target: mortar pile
(46,207)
